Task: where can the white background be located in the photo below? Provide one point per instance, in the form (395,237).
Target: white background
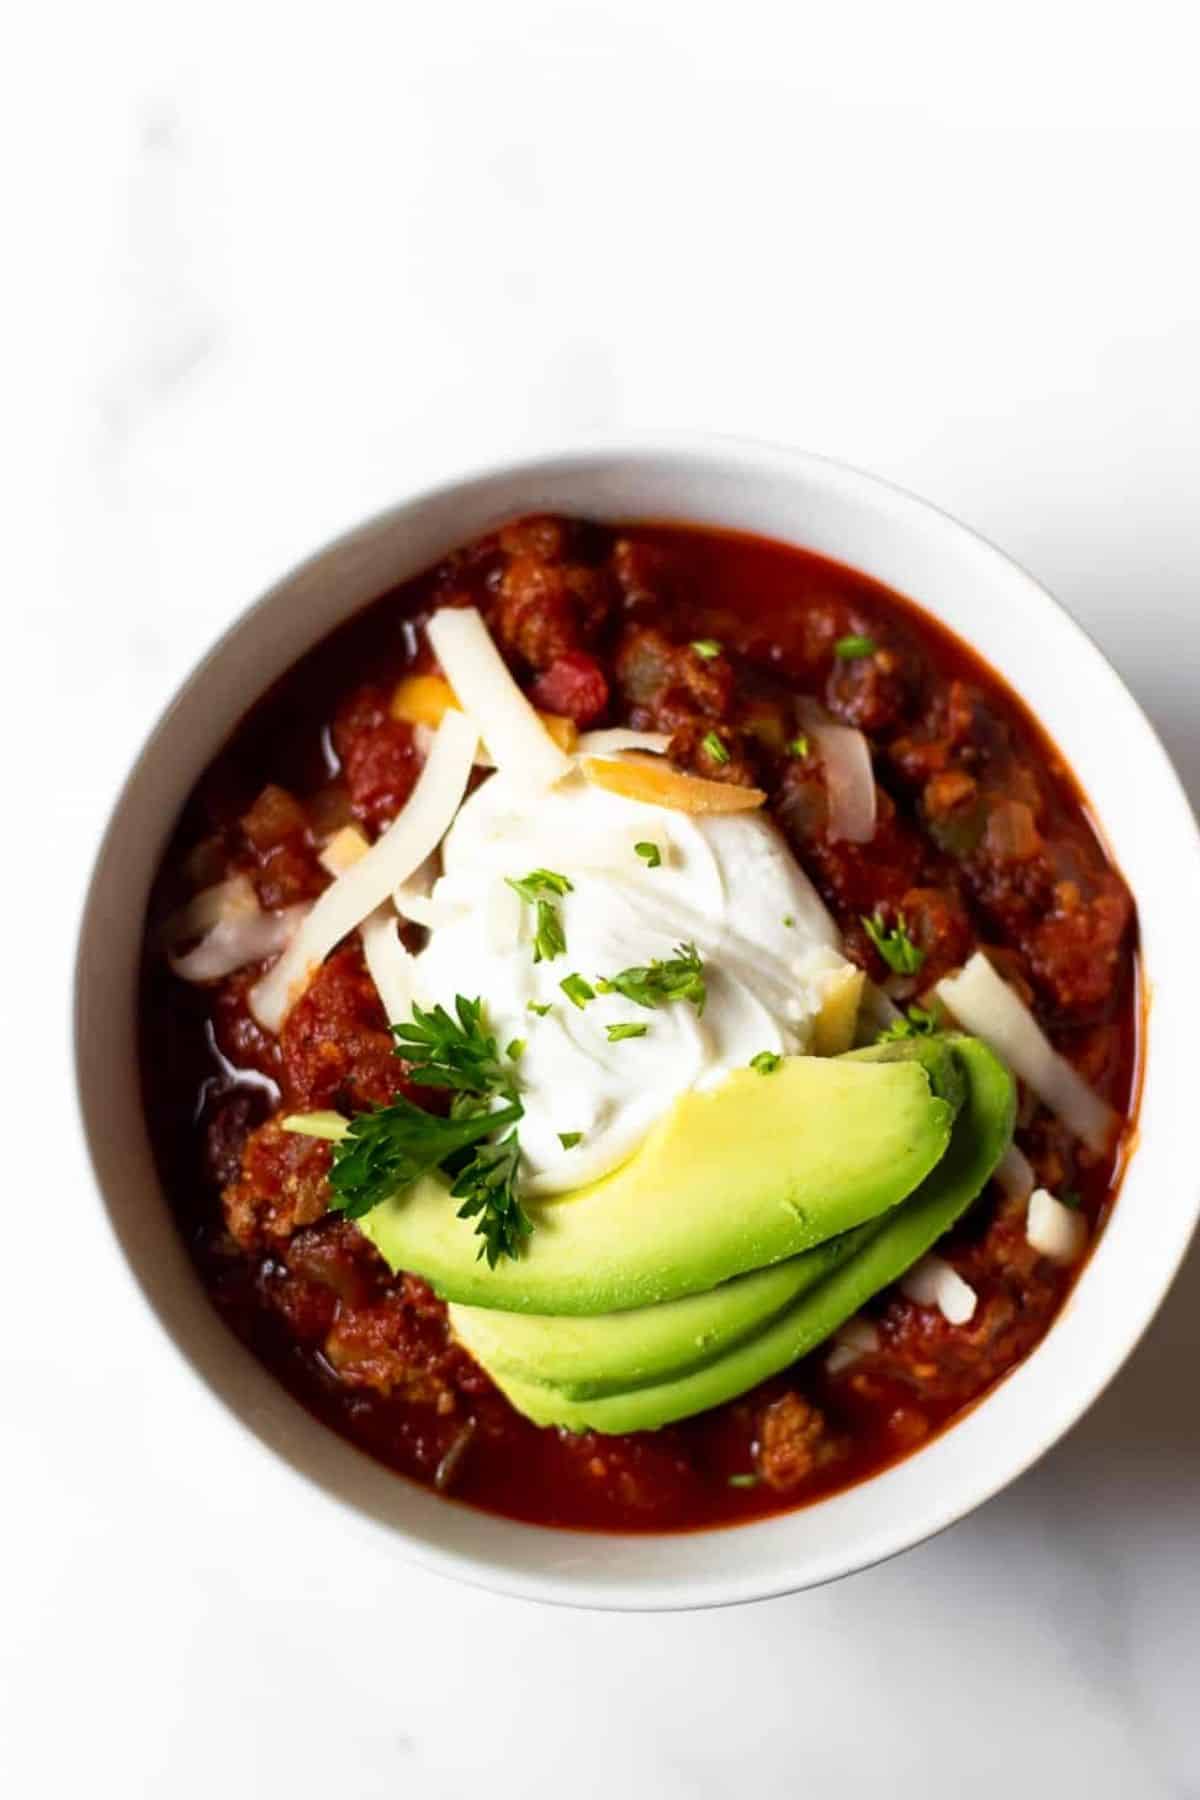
(270,267)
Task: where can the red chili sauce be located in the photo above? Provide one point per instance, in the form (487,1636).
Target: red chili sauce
(983,839)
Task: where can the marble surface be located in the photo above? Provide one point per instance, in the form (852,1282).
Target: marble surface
(276,265)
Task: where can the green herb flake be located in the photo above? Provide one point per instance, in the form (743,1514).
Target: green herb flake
(715,748)
(894,944)
(914,1021)
(799,746)
(680,977)
(650,854)
(849,649)
(789,922)
(535,1006)
(766,1062)
(569,1139)
(549,940)
(743,1481)
(1071,1198)
(577,990)
(616,1033)
(515,1050)
(706,648)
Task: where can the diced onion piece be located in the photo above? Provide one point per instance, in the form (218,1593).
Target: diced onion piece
(422,699)
(835,1024)
(408,840)
(1054,1230)
(932,1282)
(504,718)
(637,778)
(237,940)
(984,1003)
(607,743)
(224,900)
(851,1341)
(849,777)
(344,849)
(1015,1174)
(389,964)
(1011,833)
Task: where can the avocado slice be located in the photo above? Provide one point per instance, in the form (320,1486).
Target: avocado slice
(981,1135)
(610,1353)
(733,1178)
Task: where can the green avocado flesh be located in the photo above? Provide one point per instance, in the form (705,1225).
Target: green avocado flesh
(612,1352)
(732,1179)
(981,1135)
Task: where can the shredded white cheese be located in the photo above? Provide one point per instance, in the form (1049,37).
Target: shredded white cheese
(985,1004)
(1015,1174)
(510,727)
(235,941)
(1054,1230)
(932,1282)
(389,964)
(621,737)
(851,1341)
(412,836)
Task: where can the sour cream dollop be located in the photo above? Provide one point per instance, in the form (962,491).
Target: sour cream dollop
(726,884)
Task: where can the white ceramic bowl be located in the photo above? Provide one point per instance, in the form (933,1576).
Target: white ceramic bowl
(1021,631)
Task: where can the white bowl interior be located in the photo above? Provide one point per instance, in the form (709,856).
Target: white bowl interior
(989,601)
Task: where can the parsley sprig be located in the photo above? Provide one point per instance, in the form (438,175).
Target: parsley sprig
(387,1149)
(379,1153)
(894,944)
(658,983)
(487,1188)
(549,939)
(458,1053)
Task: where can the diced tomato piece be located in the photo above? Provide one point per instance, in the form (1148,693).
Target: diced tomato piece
(575,686)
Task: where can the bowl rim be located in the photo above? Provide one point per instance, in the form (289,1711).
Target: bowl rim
(750,458)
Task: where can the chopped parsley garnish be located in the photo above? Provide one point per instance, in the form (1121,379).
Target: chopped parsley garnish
(766,1062)
(799,746)
(534,1006)
(680,977)
(569,1139)
(849,649)
(487,1188)
(617,1032)
(894,945)
(914,1021)
(548,938)
(1071,1198)
(743,1481)
(515,1049)
(789,921)
(577,990)
(380,1152)
(706,648)
(716,749)
(650,854)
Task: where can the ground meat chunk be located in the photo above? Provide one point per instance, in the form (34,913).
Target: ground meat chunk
(335,1255)
(399,1344)
(793,1441)
(282,1184)
(285,869)
(307,1307)
(1075,951)
(227,1127)
(873,693)
(716,753)
(550,600)
(945,731)
(667,685)
(379,757)
(336,1048)
(574,686)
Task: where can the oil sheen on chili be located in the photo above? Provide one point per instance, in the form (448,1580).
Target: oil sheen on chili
(982,839)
